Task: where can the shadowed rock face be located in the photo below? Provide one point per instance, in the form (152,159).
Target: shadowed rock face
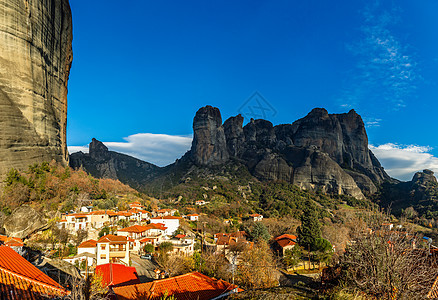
(325,152)
(35,60)
(102,163)
(209,146)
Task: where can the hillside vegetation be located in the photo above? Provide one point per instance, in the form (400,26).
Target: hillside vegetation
(51,187)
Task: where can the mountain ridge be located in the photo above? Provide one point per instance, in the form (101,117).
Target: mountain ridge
(320,152)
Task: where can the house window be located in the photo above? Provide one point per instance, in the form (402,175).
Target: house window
(103,256)
(102,247)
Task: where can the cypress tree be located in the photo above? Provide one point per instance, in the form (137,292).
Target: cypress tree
(310,229)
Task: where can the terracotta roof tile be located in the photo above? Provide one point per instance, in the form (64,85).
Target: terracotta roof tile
(22,279)
(287,236)
(135,229)
(165,218)
(285,242)
(117,274)
(110,238)
(88,244)
(190,286)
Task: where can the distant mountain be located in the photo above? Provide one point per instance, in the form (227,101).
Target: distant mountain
(102,163)
(420,195)
(321,152)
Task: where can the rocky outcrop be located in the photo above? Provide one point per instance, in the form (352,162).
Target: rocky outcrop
(102,163)
(420,194)
(324,152)
(23,221)
(35,60)
(209,146)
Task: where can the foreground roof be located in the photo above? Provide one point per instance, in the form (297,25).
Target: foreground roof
(19,279)
(117,274)
(190,286)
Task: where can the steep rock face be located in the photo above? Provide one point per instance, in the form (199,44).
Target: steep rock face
(326,152)
(102,163)
(209,146)
(341,136)
(35,60)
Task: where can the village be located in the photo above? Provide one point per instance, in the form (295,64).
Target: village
(125,248)
(141,250)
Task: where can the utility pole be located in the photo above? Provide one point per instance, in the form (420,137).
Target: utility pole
(233,268)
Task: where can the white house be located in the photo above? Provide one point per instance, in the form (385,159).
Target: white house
(183,245)
(256,217)
(193,217)
(113,248)
(171,222)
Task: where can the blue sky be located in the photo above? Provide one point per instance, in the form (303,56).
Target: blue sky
(141,71)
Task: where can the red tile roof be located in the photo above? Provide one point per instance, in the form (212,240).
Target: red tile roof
(193,215)
(256,215)
(285,242)
(110,238)
(180,236)
(286,236)
(14,242)
(165,218)
(117,274)
(135,229)
(20,278)
(88,244)
(190,286)
(11,241)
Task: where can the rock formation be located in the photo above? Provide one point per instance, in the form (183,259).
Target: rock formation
(23,221)
(102,163)
(420,194)
(320,152)
(35,60)
(325,152)
(209,146)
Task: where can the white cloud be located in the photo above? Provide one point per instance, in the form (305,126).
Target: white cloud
(159,149)
(73,149)
(386,72)
(403,161)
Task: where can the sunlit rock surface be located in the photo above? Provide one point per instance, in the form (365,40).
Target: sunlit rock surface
(35,59)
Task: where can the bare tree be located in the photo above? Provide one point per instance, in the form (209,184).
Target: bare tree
(387,265)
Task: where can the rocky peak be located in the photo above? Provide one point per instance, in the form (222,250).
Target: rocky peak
(233,129)
(209,146)
(424,178)
(299,152)
(97,149)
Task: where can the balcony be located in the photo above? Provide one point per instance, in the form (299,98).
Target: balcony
(119,254)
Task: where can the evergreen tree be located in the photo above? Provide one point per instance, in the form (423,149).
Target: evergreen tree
(259,232)
(310,229)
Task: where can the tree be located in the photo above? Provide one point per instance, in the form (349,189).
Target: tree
(256,268)
(310,229)
(292,257)
(165,247)
(324,251)
(104,231)
(259,232)
(387,266)
(81,235)
(148,248)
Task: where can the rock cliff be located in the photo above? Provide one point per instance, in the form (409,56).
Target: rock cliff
(324,152)
(320,152)
(35,60)
(102,163)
